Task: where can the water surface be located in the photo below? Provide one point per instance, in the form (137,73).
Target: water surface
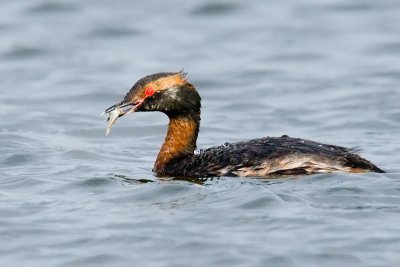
(327,71)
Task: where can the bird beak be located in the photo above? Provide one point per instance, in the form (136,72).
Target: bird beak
(119,110)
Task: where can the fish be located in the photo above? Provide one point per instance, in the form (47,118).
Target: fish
(118,110)
(113,115)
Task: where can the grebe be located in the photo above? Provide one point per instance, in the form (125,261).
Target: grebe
(172,94)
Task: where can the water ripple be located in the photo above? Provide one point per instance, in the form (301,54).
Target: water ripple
(310,69)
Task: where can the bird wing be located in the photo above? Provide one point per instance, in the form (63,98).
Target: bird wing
(271,156)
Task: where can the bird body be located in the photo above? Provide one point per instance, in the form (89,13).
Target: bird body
(269,157)
(173,95)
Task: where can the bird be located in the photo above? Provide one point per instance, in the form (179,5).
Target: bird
(172,94)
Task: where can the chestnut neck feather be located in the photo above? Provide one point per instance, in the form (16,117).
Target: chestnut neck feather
(180,140)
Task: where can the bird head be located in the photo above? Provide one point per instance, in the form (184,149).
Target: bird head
(168,92)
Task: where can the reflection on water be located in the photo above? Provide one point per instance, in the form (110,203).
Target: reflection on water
(325,71)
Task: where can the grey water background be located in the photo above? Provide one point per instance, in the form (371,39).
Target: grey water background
(322,70)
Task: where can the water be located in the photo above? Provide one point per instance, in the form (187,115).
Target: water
(327,71)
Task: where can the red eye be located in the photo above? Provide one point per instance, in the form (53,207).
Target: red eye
(149,91)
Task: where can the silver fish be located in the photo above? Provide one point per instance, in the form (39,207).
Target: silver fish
(118,110)
(112,118)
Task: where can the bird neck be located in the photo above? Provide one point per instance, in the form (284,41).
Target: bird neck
(180,140)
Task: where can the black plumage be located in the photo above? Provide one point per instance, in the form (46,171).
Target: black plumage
(281,155)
